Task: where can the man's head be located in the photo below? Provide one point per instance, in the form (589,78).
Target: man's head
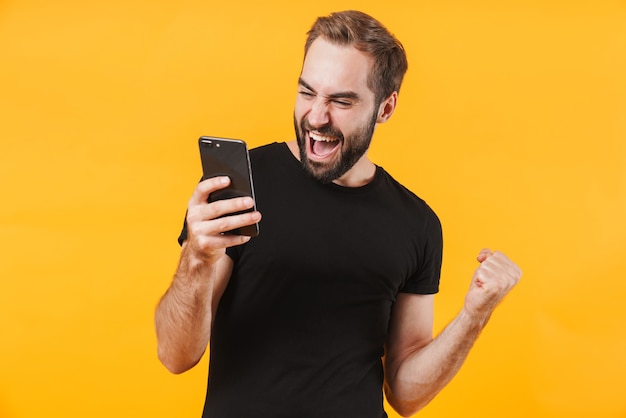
(363,32)
(352,71)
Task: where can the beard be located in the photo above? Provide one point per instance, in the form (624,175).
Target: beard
(352,148)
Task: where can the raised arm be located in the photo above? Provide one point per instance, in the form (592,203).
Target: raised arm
(418,367)
(184,314)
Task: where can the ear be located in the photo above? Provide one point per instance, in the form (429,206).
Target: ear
(386,108)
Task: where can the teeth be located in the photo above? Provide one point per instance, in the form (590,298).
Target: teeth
(318,137)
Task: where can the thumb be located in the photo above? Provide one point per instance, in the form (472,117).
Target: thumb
(484,254)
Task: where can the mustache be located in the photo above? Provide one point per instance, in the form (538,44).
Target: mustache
(327,129)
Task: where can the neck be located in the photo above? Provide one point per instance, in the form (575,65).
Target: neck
(359,175)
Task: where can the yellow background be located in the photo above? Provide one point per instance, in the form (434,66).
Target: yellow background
(511,124)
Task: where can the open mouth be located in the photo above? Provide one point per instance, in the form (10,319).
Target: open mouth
(322,146)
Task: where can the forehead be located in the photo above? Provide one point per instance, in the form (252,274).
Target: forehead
(330,68)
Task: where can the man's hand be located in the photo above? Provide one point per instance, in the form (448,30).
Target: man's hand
(491,282)
(206,222)
(184,316)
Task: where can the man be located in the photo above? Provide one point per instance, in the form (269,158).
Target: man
(334,299)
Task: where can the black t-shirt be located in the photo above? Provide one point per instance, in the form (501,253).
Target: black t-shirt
(300,329)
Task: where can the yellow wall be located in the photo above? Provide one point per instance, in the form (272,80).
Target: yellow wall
(511,124)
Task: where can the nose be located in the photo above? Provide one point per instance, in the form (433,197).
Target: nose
(318,115)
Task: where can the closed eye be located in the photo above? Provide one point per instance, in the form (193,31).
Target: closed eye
(305,93)
(343,103)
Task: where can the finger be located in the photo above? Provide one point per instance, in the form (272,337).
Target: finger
(499,271)
(212,242)
(229,223)
(220,208)
(484,254)
(206,187)
(212,233)
(209,245)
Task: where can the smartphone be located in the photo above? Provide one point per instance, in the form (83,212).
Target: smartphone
(229,157)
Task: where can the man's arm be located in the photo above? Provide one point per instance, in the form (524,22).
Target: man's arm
(184,315)
(417,367)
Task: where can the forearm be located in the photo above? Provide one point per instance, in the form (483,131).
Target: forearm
(184,314)
(418,367)
(416,379)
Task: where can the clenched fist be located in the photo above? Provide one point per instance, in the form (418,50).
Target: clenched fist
(491,282)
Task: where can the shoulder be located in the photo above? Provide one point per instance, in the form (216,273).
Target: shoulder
(270,156)
(267,150)
(274,164)
(405,197)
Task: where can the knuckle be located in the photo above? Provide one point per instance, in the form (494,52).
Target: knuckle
(192,213)
(194,230)
(206,186)
(211,210)
(224,224)
(201,242)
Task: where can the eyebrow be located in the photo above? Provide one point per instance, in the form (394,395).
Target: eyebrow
(339,95)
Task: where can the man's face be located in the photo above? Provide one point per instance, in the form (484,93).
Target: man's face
(335,113)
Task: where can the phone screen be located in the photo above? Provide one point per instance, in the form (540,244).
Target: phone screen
(228,157)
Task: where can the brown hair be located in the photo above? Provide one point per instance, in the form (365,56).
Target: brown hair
(363,32)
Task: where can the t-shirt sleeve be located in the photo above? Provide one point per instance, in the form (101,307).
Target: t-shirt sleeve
(426,279)
(183,233)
